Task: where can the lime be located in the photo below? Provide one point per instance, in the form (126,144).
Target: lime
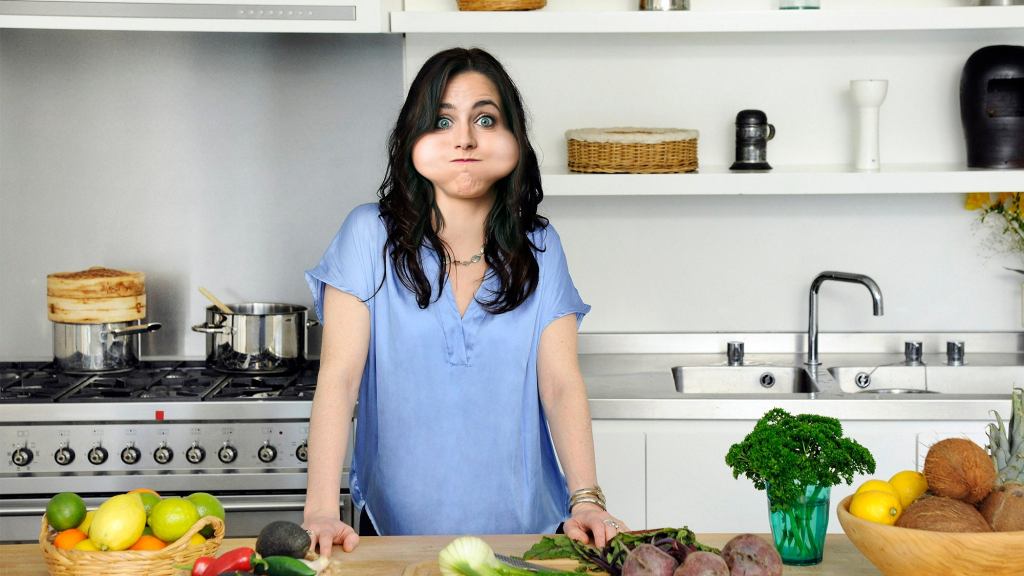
(65,510)
(172,517)
(148,501)
(206,505)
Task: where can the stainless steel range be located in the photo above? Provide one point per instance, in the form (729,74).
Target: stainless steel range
(173,426)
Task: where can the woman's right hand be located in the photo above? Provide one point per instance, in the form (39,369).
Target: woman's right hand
(326,531)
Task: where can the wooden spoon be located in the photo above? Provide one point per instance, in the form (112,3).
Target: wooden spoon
(216,301)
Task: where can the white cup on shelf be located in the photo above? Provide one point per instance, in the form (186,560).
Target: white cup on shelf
(868,96)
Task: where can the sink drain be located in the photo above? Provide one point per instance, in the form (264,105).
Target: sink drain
(767,379)
(862,379)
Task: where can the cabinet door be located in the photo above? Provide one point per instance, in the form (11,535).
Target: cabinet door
(620,455)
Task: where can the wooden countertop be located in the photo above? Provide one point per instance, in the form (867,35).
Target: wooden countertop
(392,555)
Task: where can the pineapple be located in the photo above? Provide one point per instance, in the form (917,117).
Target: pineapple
(1007,445)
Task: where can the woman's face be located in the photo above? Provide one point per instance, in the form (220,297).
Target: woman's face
(471,146)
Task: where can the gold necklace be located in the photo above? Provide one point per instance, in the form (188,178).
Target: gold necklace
(473,259)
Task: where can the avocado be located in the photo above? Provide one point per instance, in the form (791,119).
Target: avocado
(283,538)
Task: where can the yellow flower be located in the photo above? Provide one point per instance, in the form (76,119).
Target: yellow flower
(1005,197)
(977,200)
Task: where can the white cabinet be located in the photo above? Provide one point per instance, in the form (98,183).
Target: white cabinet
(688,482)
(621,461)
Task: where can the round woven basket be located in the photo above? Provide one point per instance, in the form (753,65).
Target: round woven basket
(502,4)
(632,150)
(163,562)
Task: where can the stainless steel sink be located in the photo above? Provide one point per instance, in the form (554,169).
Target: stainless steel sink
(745,379)
(928,379)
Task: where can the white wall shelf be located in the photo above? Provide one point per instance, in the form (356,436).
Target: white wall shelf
(787,180)
(549,21)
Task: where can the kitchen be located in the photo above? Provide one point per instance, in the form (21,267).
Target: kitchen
(228,161)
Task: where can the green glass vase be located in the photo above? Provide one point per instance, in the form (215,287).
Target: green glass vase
(799,530)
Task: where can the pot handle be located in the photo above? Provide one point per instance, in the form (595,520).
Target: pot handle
(138,329)
(207,329)
(311,323)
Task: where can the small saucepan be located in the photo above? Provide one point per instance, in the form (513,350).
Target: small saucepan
(94,348)
(256,338)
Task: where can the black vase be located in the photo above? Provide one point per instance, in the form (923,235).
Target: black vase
(992,107)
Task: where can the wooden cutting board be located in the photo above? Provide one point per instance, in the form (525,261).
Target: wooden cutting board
(430,568)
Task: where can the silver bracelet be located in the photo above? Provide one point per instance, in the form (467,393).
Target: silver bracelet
(587,500)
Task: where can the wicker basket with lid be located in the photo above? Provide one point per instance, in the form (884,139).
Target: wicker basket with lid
(96,296)
(632,150)
(501,4)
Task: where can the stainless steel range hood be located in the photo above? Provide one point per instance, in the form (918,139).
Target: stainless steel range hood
(366,16)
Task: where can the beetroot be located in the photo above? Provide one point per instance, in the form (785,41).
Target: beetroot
(703,564)
(749,555)
(648,560)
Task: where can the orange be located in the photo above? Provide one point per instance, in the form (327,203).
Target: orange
(67,539)
(172,517)
(876,506)
(146,490)
(148,543)
(65,510)
(910,485)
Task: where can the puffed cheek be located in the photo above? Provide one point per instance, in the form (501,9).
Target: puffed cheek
(506,152)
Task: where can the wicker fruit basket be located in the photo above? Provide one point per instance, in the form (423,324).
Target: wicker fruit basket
(501,4)
(632,150)
(163,562)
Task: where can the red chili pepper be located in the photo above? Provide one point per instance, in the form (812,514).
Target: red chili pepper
(233,560)
(201,565)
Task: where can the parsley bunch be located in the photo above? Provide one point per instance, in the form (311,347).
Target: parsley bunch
(784,454)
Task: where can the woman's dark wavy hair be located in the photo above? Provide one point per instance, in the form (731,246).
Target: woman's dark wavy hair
(407,202)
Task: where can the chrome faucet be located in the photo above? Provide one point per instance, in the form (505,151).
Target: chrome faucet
(812,316)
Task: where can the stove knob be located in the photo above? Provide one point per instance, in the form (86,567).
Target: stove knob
(64,455)
(302,452)
(163,454)
(21,456)
(266,453)
(131,455)
(195,454)
(97,455)
(227,453)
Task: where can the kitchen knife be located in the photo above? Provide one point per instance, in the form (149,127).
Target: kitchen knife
(515,562)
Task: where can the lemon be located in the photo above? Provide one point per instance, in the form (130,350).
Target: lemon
(172,517)
(65,510)
(206,505)
(876,506)
(86,545)
(910,485)
(84,526)
(880,485)
(118,522)
(196,540)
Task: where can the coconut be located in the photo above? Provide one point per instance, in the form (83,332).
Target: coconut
(941,514)
(1004,508)
(958,468)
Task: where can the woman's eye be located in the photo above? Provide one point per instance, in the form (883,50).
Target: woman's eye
(486,121)
(443,123)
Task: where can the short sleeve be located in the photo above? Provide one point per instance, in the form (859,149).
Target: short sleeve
(351,259)
(558,294)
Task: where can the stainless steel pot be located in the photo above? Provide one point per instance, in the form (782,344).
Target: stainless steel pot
(259,337)
(89,348)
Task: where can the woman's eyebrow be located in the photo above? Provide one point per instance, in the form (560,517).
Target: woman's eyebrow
(478,104)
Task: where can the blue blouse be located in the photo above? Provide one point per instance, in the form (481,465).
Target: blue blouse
(451,435)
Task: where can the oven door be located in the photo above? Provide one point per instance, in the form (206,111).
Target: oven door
(246,515)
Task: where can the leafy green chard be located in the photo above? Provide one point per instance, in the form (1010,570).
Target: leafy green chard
(675,541)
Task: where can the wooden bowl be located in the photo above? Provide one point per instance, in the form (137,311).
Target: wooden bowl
(907,552)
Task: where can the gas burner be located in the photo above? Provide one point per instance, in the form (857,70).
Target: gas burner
(252,387)
(297,392)
(34,386)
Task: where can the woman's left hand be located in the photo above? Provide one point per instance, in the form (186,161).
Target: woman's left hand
(590,520)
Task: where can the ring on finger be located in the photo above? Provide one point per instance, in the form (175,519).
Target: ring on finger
(611,522)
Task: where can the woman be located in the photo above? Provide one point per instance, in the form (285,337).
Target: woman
(449,313)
